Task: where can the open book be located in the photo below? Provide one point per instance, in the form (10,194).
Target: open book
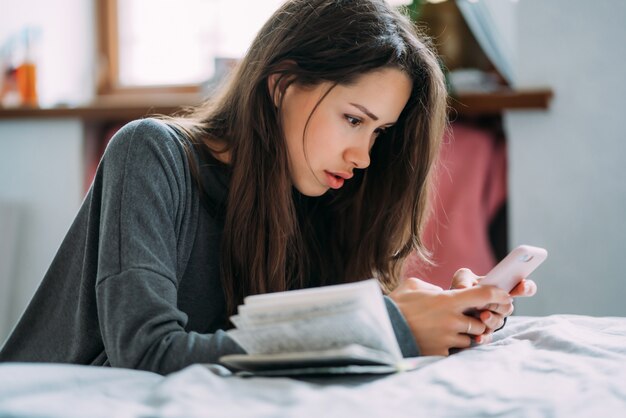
(333,329)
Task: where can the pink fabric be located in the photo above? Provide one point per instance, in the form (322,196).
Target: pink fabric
(471,187)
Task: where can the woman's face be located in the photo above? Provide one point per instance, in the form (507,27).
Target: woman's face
(342,129)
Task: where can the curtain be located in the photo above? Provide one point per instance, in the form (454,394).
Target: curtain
(493,24)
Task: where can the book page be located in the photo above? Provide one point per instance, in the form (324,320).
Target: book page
(316,319)
(316,333)
(250,316)
(316,294)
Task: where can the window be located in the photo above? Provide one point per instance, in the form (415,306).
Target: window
(172,45)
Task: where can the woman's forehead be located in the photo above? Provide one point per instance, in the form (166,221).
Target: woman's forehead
(383,93)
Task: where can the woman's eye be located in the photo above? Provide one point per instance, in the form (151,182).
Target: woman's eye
(379,131)
(352,120)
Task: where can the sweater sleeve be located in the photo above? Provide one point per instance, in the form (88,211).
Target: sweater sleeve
(144,198)
(401,329)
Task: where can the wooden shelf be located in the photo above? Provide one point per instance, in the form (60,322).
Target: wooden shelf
(133,107)
(111,108)
(479,103)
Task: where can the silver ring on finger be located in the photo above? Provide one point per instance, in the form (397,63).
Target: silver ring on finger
(469,327)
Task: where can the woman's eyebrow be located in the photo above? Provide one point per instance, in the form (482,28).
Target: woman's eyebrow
(364,110)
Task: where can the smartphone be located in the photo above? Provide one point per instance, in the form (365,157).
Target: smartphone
(517,265)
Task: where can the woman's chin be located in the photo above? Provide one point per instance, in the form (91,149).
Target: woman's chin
(311,190)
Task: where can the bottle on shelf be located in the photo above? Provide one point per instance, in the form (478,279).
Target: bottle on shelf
(26,71)
(9,91)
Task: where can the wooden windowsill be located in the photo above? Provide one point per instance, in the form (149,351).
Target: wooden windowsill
(475,104)
(133,107)
(111,108)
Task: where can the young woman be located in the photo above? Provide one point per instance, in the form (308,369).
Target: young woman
(311,167)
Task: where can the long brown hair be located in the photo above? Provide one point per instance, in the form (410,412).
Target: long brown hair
(275,239)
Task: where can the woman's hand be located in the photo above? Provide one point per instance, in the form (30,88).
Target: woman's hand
(491,315)
(436,317)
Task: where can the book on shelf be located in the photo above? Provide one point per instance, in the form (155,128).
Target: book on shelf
(339,329)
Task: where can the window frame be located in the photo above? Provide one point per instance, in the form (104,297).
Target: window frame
(108,59)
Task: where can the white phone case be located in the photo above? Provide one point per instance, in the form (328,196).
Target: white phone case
(517,265)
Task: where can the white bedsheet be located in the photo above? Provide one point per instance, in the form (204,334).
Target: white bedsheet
(564,365)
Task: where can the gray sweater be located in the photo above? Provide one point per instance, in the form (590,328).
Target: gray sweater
(136,280)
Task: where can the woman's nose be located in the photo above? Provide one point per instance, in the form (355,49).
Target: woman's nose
(358,156)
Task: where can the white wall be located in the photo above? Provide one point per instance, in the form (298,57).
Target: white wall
(566,165)
(41,161)
(41,173)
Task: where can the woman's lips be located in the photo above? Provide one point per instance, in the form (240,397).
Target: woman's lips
(333,181)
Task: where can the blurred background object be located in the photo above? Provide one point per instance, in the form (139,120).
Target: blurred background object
(18,79)
(26,69)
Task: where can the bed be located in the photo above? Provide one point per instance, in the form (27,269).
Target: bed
(554,366)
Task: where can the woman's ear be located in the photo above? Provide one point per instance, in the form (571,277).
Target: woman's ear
(275,90)
(279,81)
